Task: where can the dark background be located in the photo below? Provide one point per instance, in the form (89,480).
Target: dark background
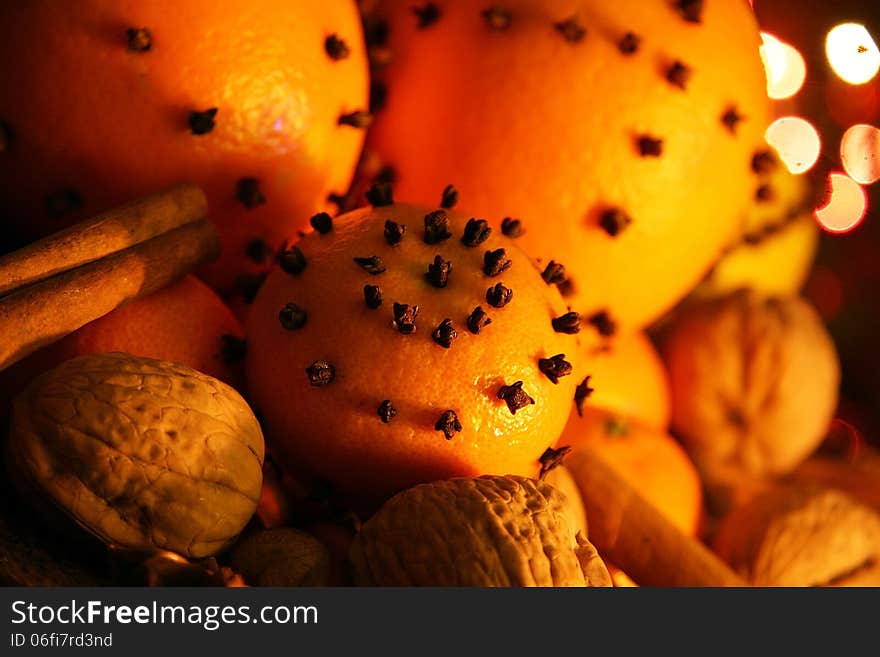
(845,282)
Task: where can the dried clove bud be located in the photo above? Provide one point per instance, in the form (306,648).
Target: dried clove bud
(554,367)
(380,194)
(566,288)
(258,251)
(476,231)
(386,411)
(427,15)
(552,458)
(614,220)
(436,227)
(139,39)
(372,296)
(201,123)
(499,295)
(731,119)
(371,264)
(629,43)
(449,197)
(478,320)
(321,373)
(448,423)
(511,227)
(650,146)
(515,397)
(394,232)
(405,318)
(444,334)
(571,30)
(496,262)
(497,18)
(554,273)
(690,10)
(581,393)
(603,323)
(438,272)
(248,193)
(386,174)
(292,317)
(292,260)
(569,323)
(322,222)
(763,162)
(336,48)
(764,194)
(232,348)
(679,74)
(358,119)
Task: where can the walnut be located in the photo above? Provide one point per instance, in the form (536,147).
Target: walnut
(754,382)
(281,557)
(802,535)
(140,452)
(562,480)
(484,531)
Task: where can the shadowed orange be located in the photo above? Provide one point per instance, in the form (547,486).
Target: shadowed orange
(95,122)
(561,113)
(649,459)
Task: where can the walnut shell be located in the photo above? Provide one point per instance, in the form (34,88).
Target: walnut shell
(485,531)
(142,453)
(754,382)
(281,557)
(802,536)
(562,480)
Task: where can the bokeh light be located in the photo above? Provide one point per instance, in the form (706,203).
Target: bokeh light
(860,153)
(846,204)
(852,53)
(796,141)
(784,66)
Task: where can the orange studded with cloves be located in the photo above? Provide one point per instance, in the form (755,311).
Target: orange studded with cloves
(263,103)
(395,379)
(619,134)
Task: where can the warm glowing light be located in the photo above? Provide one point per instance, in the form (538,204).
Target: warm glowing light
(860,153)
(784,66)
(796,141)
(852,53)
(846,206)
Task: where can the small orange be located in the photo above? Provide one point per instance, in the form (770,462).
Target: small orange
(649,459)
(405,344)
(104,101)
(186,322)
(620,133)
(629,378)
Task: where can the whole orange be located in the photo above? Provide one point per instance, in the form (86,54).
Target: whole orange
(381,356)
(621,134)
(628,378)
(103,101)
(649,459)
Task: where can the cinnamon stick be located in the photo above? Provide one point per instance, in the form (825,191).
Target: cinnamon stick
(112,231)
(631,533)
(44,312)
